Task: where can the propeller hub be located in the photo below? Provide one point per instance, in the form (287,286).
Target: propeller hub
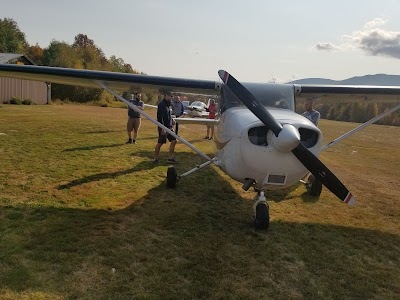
(287,139)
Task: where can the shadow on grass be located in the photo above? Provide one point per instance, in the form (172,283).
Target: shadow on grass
(102,131)
(145,165)
(199,247)
(94,147)
(307,198)
(186,159)
(195,241)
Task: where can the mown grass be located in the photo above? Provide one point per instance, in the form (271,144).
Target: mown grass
(84,216)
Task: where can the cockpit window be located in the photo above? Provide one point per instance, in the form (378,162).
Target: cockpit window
(270,95)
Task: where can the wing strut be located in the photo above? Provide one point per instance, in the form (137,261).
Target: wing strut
(353,131)
(199,167)
(147,116)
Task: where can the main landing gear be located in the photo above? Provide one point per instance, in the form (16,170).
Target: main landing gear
(261,212)
(172,177)
(313,186)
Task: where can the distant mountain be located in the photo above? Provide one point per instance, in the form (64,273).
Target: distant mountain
(377,79)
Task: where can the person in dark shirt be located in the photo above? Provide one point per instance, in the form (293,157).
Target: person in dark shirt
(134,119)
(164,117)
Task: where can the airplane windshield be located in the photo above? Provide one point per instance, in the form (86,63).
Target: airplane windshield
(269,94)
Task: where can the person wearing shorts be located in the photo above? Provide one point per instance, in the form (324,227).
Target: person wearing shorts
(164,117)
(134,118)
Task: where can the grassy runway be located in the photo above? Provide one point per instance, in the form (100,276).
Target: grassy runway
(84,216)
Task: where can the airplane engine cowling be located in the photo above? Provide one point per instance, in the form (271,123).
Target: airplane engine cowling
(272,167)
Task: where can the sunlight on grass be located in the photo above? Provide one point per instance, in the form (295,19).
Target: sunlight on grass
(85,216)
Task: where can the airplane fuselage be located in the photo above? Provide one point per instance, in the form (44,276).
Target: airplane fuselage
(245,148)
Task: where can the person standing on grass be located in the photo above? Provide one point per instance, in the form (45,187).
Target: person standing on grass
(177,110)
(134,118)
(211,115)
(310,113)
(164,117)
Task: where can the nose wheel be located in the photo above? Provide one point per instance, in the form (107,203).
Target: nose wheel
(261,212)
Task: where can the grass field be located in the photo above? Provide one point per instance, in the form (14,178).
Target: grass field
(84,216)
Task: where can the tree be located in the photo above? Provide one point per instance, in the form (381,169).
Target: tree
(60,54)
(92,57)
(12,40)
(82,41)
(344,112)
(35,53)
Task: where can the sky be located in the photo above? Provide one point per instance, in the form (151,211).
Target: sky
(254,40)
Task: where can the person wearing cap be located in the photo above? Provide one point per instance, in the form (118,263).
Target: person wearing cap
(310,113)
(134,119)
(164,117)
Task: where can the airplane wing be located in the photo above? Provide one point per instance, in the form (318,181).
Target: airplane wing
(113,80)
(199,121)
(196,113)
(346,89)
(149,105)
(349,90)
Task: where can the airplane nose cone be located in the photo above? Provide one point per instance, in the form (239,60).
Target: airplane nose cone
(287,139)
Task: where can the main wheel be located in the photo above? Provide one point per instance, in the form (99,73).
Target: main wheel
(172,177)
(314,187)
(262,216)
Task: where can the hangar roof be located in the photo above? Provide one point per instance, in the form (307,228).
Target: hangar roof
(11,58)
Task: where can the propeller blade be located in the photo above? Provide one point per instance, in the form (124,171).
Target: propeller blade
(251,102)
(307,158)
(323,174)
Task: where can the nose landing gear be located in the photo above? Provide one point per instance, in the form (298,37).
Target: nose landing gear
(261,212)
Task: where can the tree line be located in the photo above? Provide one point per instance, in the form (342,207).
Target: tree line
(355,109)
(83,53)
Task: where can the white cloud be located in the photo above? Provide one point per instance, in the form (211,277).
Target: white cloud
(377,22)
(372,40)
(326,47)
(379,42)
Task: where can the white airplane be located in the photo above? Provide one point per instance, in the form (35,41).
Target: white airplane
(197,109)
(260,140)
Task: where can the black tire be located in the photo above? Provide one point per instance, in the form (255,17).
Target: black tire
(172,177)
(314,187)
(262,216)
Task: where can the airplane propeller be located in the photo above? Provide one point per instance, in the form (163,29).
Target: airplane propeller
(309,160)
